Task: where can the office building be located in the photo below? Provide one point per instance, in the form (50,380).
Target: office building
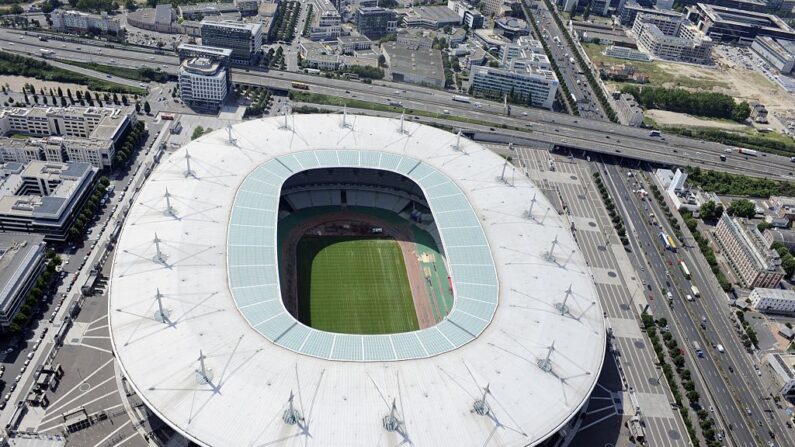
(326,21)
(352,44)
(672,38)
(22,260)
(470,17)
(414,65)
(511,27)
(629,11)
(244,39)
(81,22)
(727,25)
(783,367)
(748,253)
(44,197)
(203,83)
(777,301)
(524,75)
(376,22)
(779,53)
(77,134)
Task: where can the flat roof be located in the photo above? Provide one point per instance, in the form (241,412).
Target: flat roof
(423,61)
(17,254)
(217,281)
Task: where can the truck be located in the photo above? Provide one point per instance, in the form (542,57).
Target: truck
(45,52)
(697,348)
(684,269)
(461,98)
(654,133)
(745,151)
(695,291)
(395,103)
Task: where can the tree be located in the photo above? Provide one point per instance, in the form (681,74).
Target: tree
(693,396)
(147,107)
(742,208)
(130,5)
(709,210)
(197,132)
(138,107)
(741,112)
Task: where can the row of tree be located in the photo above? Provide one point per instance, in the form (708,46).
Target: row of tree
(708,104)
(89,209)
(723,183)
(131,143)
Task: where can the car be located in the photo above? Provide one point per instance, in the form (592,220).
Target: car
(23,369)
(13,387)
(18,378)
(109,76)
(2,405)
(27,362)
(7,397)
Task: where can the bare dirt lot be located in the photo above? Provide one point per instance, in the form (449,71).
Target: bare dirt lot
(666,118)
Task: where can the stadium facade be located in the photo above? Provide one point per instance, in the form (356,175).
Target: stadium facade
(200,330)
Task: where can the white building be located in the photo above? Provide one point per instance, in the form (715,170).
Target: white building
(326,21)
(783,365)
(203,83)
(80,22)
(524,76)
(778,301)
(672,38)
(21,262)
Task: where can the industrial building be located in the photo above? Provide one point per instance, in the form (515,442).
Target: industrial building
(777,301)
(749,254)
(22,259)
(244,39)
(376,22)
(524,75)
(77,134)
(414,65)
(727,25)
(779,53)
(44,197)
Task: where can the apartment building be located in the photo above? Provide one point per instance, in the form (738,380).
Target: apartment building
(22,260)
(244,39)
(78,134)
(376,22)
(779,301)
(81,22)
(748,253)
(44,197)
(524,75)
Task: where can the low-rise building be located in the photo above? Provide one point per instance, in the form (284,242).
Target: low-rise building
(782,206)
(524,76)
(779,53)
(782,236)
(22,260)
(80,22)
(199,11)
(160,19)
(429,17)
(44,197)
(758,113)
(783,365)
(414,65)
(629,111)
(351,44)
(626,53)
(748,253)
(778,301)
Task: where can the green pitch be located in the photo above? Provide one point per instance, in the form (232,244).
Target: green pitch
(354,285)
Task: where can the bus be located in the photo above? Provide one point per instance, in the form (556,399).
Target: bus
(665,240)
(671,242)
(684,268)
(697,348)
(461,98)
(300,86)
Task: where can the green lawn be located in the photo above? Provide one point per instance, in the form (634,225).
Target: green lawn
(354,285)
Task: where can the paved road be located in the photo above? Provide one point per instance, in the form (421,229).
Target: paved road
(538,125)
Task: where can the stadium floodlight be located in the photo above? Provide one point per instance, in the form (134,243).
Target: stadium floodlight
(291,415)
(562,307)
(457,146)
(188,173)
(550,255)
(169,209)
(284,125)
(529,212)
(546,363)
(569,258)
(229,139)
(402,122)
(481,407)
(391,421)
(162,314)
(159,257)
(545,216)
(204,375)
(345,124)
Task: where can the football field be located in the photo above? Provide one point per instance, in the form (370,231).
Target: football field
(354,285)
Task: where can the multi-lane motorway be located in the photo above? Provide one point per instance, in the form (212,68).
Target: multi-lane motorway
(529,124)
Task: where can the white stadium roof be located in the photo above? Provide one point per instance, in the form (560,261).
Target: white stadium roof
(205,251)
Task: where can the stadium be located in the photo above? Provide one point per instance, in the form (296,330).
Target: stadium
(347,280)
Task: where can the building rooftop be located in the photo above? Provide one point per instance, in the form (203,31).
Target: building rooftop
(17,250)
(69,177)
(252,27)
(433,13)
(201,65)
(741,17)
(221,52)
(424,62)
(221,293)
(778,294)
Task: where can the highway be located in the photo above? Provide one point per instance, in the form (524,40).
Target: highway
(733,388)
(541,126)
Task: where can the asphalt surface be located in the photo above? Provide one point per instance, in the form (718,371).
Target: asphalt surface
(538,125)
(731,394)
